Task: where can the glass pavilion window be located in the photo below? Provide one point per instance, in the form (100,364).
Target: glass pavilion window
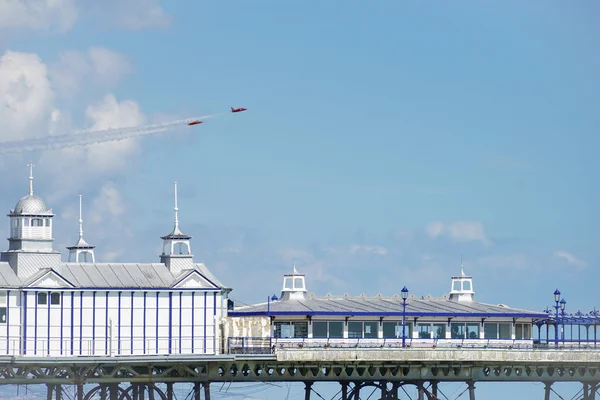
(431,331)
(291,329)
(393,330)
(462,330)
(328,329)
(493,330)
(362,329)
(522,331)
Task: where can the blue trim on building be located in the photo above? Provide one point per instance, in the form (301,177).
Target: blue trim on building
(119,323)
(80,323)
(62,323)
(180,317)
(93,322)
(131,323)
(35,325)
(170,322)
(205,310)
(193,315)
(48,339)
(215,323)
(377,314)
(72,321)
(157,293)
(106,347)
(7,321)
(144,326)
(24,324)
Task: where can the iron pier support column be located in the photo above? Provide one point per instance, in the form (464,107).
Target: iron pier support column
(169,390)
(114,391)
(356,390)
(586,391)
(344,390)
(471,390)
(80,391)
(434,388)
(307,389)
(196,390)
(421,391)
(206,391)
(103,388)
(547,390)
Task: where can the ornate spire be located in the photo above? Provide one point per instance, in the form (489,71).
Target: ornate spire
(176,230)
(30,165)
(81,248)
(80,220)
(462,271)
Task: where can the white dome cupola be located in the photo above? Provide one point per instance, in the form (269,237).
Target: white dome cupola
(177,253)
(31,235)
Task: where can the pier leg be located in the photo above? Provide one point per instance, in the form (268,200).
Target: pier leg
(80,391)
(307,389)
(586,391)
(547,389)
(421,391)
(58,392)
(49,391)
(434,388)
(170,391)
(356,390)
(344,390)
(114,391)
(471,390)
(103,392)
(207,391)
(197,391)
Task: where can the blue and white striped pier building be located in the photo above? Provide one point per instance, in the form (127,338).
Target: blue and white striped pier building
(84,308)
(301,319)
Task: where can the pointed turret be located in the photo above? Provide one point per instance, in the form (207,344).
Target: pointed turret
(294,286)
(177,254)
(81,251)
(462,286)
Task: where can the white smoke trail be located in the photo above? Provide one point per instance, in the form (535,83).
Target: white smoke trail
(87,137)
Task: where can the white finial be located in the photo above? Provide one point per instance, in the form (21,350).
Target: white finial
(295,270)
(462,271)
(30,165)
(80,220)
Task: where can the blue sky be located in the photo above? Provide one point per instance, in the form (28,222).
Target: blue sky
(382,140)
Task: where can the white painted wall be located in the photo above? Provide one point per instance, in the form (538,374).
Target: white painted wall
(134,323)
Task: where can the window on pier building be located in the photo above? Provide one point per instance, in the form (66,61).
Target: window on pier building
(493,330)
(42,298)
(55,298)
(362,329)
(393,329)
(431,331)
(462,330)
(522,331)
(328,329)
(3,304)
(291,329)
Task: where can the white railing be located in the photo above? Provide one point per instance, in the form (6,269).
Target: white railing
(98,347)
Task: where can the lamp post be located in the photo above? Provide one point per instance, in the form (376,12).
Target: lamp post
(563,305)
(556,306)
(404,294)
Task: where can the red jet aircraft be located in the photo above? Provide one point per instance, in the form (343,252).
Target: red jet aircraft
(194,123)
(234,110)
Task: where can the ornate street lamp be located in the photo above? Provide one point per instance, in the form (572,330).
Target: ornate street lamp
(556,306)
(404,294)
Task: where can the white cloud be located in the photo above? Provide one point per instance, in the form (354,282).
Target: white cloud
(38,14)
(133,14)
(570,259)
(377,250)
(25,95)
(460,231)
(75,70)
